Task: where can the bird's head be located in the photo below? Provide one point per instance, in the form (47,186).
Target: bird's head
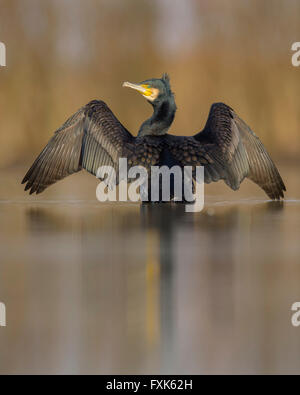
(155,90)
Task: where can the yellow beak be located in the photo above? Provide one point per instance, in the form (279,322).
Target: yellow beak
(143,89)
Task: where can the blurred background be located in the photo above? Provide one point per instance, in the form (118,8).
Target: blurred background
(124,288)
(63,53)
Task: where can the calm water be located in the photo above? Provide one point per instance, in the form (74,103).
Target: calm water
(124,288)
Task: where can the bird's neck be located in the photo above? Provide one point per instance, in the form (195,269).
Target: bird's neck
(161,119)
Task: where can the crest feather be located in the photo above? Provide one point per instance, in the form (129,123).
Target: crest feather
(166,77)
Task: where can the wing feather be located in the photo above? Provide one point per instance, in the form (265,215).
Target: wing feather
(91,137)
(229,150)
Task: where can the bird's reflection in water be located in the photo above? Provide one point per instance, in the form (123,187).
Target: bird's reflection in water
(163,220)
(275,205)
(138,272)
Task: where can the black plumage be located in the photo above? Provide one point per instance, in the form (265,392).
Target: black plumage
(226,147)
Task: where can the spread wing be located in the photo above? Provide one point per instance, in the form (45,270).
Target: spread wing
(92,137)
(229,150)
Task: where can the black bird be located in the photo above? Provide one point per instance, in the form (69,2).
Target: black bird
(226,147)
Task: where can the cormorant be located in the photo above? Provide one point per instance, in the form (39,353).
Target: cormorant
(226,147)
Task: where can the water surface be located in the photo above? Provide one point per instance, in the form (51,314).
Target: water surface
(124,288)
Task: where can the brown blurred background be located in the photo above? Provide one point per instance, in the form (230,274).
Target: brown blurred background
(123,288)
(63,53)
